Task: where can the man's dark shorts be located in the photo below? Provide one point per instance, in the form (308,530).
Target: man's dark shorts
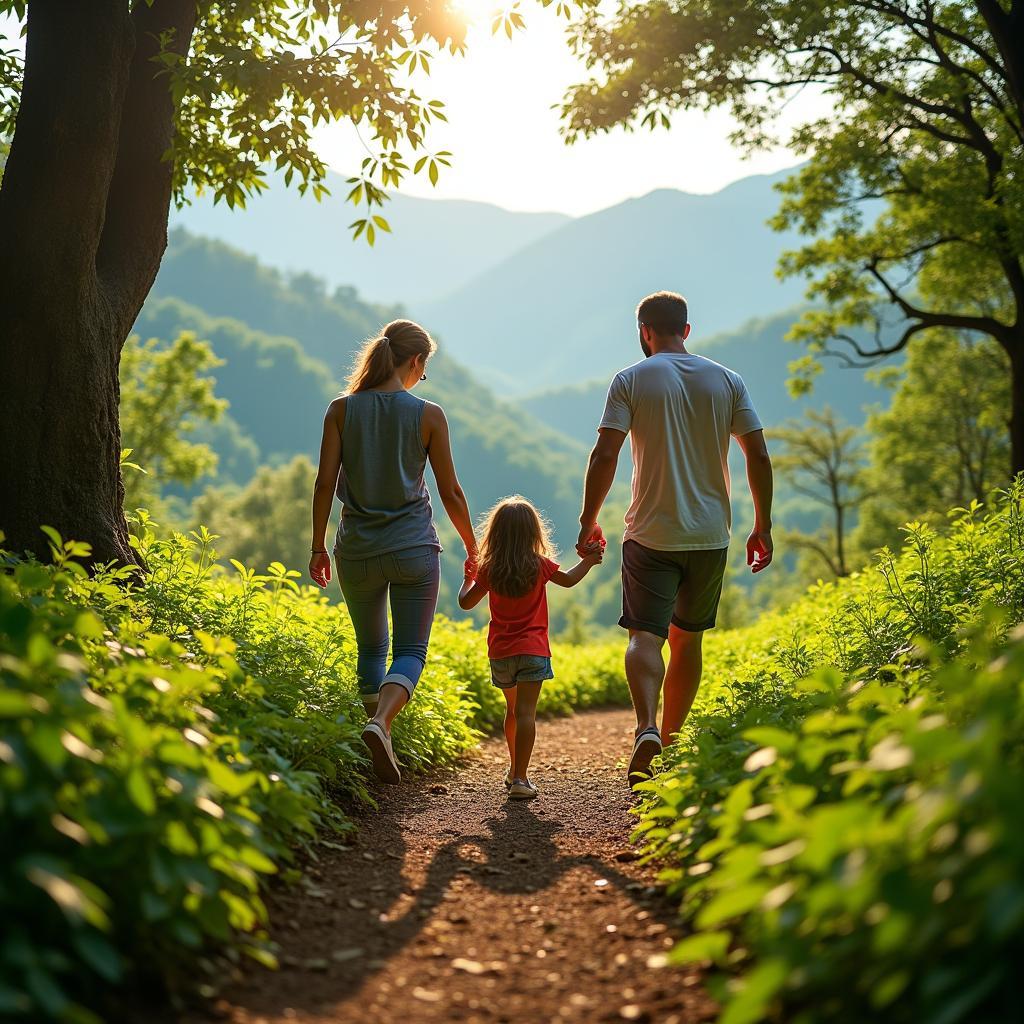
(681,587)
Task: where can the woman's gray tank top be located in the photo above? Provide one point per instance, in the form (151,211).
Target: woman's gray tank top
(384,501)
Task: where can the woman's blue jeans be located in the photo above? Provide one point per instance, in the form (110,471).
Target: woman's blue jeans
(411,579)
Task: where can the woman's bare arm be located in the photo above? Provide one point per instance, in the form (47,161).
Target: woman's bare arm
(471,594)
(439,452)
(324,489)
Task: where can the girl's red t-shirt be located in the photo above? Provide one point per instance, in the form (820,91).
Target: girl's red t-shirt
(519,625)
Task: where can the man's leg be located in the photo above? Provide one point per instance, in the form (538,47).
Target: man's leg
(645,670)
(696,607)
(682,678)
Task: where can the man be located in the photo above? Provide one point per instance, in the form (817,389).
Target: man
(680,411)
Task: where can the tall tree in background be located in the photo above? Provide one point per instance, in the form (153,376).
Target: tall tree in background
(164,398)
(927,112)
(942,442)
(118,107)
(820,459)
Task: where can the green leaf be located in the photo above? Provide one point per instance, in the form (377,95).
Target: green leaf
(702,946)
(140,791)
(98,953)
(752,997)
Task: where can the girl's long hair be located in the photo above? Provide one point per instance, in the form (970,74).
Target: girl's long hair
(515,539)
(397,343)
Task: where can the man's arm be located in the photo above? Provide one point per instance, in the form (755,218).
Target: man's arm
(759,477)
(604,460)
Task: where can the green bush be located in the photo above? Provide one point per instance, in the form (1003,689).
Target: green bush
(168,741)
(841,818)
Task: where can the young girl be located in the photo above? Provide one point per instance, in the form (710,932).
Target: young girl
(514,568)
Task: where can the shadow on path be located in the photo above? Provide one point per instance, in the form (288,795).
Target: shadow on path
(455,904)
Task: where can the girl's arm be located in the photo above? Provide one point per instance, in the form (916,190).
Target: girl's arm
(323,491)
(439,452)
(578,571)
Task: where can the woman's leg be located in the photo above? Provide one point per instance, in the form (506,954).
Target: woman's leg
(526,728)
(509,693)
(393,697)
(365,590)
(415,580)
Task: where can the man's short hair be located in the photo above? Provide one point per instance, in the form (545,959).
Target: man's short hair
(665,313)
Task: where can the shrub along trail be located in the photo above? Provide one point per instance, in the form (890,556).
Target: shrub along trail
(451,903)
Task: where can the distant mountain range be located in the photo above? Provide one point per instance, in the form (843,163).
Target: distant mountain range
(562,309)
(528,301)
(435,245)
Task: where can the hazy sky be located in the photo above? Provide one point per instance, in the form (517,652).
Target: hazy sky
(507,146)
(505,134)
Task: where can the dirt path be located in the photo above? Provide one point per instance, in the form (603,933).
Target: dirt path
(453,904)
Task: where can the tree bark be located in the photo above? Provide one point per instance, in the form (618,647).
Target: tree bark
(1016,353)
(83,215)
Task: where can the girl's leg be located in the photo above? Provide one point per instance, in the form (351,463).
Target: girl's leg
(509,692)
(525,714)
(415,579)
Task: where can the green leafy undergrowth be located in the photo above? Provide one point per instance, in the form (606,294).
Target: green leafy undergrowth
(841,818)
(169,741)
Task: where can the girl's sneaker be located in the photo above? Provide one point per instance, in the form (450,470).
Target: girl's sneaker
(522,789)
(508,779)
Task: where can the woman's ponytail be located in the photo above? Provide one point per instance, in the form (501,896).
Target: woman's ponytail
(400,341)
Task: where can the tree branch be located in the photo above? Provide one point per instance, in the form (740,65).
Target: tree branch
(933,318)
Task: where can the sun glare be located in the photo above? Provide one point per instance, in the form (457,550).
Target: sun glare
(477,13)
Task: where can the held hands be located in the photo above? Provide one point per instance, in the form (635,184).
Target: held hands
(759,549)
(590,535)
(320,568)
(469,567)
(590,544)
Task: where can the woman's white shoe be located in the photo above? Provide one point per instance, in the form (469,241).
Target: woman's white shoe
(378,742)
(522,789)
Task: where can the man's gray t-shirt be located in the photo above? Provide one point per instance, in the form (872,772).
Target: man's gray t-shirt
(680,411)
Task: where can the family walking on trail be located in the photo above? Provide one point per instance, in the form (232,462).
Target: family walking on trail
(680,411)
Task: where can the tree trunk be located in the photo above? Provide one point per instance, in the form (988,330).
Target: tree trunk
(1016,353)
(60,438)
(83,215)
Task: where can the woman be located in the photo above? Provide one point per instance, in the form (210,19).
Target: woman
(376,443)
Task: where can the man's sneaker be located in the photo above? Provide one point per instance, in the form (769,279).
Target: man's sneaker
(378,742)
(646,748)
(522,789)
